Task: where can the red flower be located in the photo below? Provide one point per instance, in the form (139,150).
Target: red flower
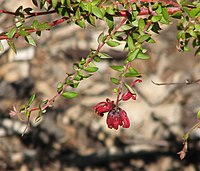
(103,107)
(126,96)
(116,118)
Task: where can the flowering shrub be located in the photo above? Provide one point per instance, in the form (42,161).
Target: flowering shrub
(116,116)
(139,19)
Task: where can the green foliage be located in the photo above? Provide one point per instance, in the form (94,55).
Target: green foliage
(134,26)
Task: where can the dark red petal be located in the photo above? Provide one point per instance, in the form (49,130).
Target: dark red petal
(100,110)
(126,122)
(120,121)
(109,121)
(99,104)
(115,122)
(134,82)
(126,96)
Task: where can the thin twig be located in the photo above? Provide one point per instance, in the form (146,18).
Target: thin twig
(187,82)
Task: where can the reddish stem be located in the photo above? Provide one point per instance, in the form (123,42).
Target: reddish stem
(165,2)
(146,11)
(52,24)
(30,14)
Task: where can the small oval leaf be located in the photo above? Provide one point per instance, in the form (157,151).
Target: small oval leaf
(117,68)
(69,94)
(112,43)
(91,69)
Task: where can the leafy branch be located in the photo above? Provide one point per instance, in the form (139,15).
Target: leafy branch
(139,20)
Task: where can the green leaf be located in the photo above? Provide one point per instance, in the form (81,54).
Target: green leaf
(156,18)
(110,10)
(192,33)
(141,24)
(143,56)
(186,10)
(31,99)
(128,74)
(30,40)
(135,35)
(91,69)
(159,9)
(54,3)
(97,12)
(130,43)
(62,2)
(197,27)
(23,32)
(12,32)
(129,88)
(177,14)
(35,23)
(81,23)
(144,38)
(114,80)
(198,115)
(132,55)
(104,55)
(135,23)
(110,21)
(59,87)
(97,59)
(165,13)
(126,27)
(69,94)
(95,2)
(63,11)
(112,43)
(117,68)
(101,38)
(12,46)
(74,85)
(91,20)
(132,72)
(43,26)
(151,40)
(78,14)
(194,12)
(69,4)
(18,21)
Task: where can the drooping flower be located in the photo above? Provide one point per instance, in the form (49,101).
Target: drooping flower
(103,107)
(116,118)
(126,96)
(125,119)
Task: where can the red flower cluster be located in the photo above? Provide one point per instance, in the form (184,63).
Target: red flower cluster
(116,116)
